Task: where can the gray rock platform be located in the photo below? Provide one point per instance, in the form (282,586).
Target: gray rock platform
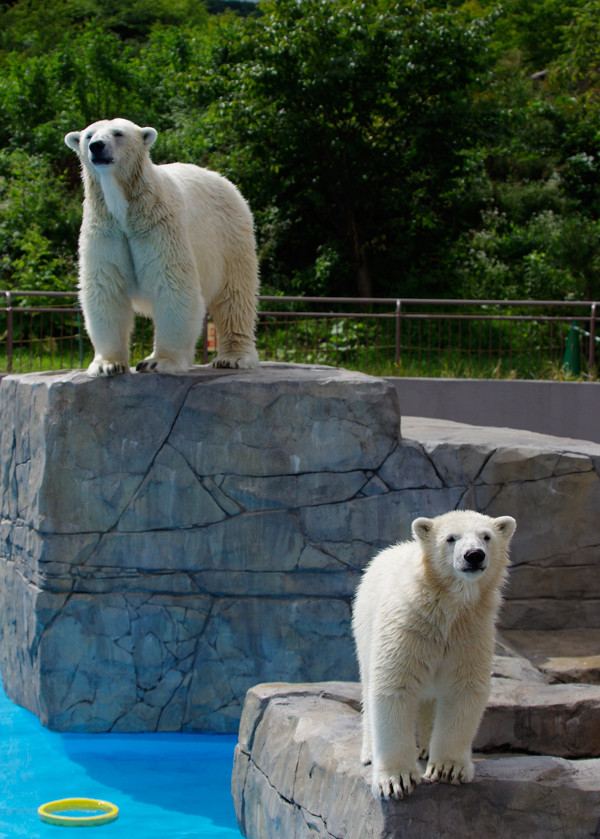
(166,542)
(567,655)
(297,772)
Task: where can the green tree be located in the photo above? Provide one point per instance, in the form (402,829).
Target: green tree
(39,222)
(33,27)
(350,125)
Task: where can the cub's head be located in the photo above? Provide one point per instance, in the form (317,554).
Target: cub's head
(465,545)
(111,145)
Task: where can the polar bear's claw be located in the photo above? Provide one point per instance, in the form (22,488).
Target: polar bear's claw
(145,366)
(161,365)
(450,772)
(242,362)
(387,785)
(106,368)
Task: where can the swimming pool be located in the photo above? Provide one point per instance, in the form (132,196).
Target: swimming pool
(166,786)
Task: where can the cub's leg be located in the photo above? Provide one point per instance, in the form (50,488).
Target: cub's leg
(393,723)
(457,718)
(425,726)
(366,752)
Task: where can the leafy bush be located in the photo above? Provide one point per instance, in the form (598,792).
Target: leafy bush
(547,257)
(39,221)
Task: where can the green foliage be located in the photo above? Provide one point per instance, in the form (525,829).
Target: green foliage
(39,220)
(35,26)
(546,257)
(387,147)
(536,29)
(350,120)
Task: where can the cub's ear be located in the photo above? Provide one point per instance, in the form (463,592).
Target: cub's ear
(149,136)
(505,526)
(72,140)
(422,529)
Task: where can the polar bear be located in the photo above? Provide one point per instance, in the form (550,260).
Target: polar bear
(165,241)
(424,628)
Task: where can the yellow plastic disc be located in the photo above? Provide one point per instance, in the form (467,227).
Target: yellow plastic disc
(101,812)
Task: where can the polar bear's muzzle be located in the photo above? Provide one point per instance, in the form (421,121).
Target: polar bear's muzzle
(474,560)
(100,153)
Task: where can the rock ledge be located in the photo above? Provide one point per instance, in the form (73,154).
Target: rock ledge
(297,774)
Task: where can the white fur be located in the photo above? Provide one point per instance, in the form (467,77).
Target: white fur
(166,241)
(424,628)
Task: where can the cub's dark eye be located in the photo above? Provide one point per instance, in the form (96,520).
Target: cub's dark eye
(487,537)
(451,539)
(117,133)
(88,136)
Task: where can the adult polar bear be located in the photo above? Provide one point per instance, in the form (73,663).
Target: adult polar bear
(424,627)
(165,241)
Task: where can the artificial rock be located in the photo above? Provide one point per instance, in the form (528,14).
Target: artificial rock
(166,542)
(297,772)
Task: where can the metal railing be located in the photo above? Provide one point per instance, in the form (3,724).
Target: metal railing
(384,336)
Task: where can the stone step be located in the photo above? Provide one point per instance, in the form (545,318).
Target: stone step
(568,655)
(560,720)
(297,772)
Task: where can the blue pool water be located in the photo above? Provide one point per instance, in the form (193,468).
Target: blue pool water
(166,786)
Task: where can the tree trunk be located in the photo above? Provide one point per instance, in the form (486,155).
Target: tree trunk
(359,261)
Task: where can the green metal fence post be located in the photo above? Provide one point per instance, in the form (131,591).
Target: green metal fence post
(572,358)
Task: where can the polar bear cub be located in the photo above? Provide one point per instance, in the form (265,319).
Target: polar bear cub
(424,628)
(166,241)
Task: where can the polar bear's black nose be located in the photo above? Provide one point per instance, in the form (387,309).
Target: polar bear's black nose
(97,147)
(475,557)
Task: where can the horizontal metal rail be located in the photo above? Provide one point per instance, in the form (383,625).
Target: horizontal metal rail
(424,333)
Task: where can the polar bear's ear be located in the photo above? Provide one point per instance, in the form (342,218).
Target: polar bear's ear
(505,526)
(422,529)
(149,136)
(72,140)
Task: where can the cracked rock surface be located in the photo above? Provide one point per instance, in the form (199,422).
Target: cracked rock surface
(166,542)
(297,771)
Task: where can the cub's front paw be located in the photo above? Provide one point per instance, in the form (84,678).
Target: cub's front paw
(104,367)
(450,771)
(390,784)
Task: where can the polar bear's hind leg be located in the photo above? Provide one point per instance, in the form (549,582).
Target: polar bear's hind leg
(235,331)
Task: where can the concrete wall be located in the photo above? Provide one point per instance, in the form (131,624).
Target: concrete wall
(563,409)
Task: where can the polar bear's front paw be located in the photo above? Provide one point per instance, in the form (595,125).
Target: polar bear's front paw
(243,361)
(389,784)
(160,364)
(450,771)
(104,367)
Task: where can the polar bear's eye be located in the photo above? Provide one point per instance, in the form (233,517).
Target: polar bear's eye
(117,133)
(486,537)
(451,539)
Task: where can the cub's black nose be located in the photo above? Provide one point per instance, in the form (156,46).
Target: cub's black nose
(475,558)
(96,147)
